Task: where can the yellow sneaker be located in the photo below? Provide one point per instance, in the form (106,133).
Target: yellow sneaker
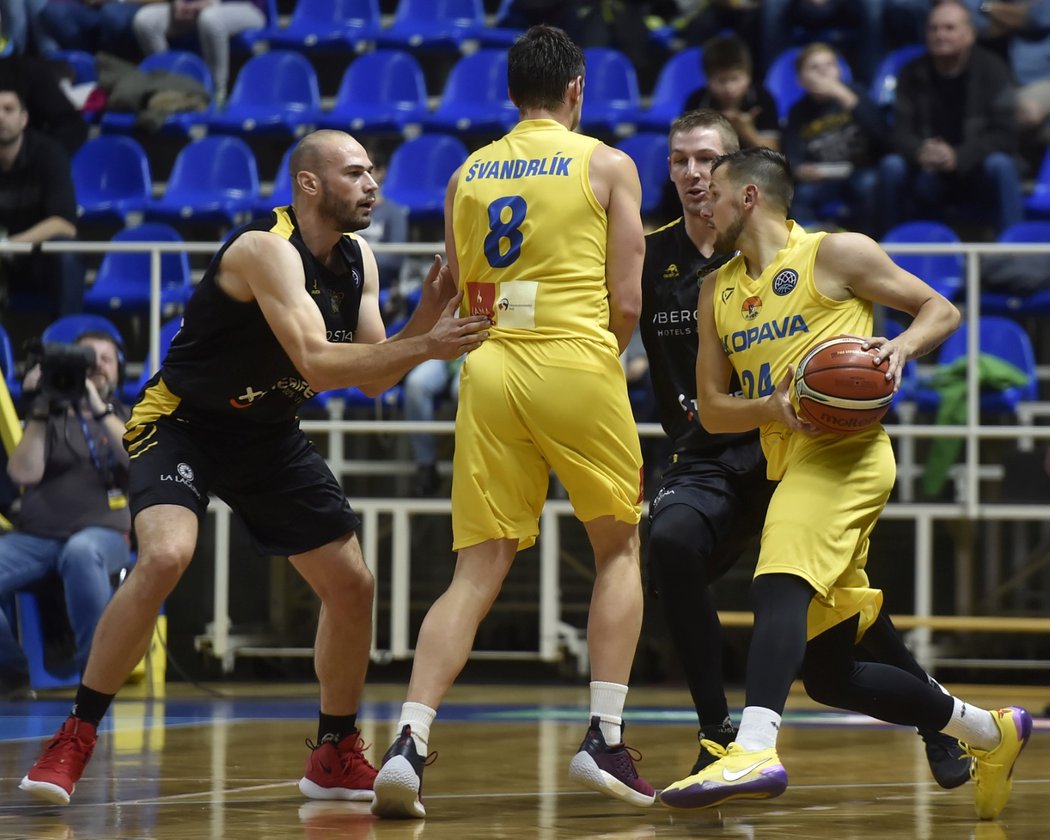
(993,769)
(737,774)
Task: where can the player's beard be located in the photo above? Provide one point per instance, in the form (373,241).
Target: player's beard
(342,215)
(725,241)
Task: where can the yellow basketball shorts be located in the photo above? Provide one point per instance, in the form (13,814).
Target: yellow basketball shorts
(529,407)
(820,520)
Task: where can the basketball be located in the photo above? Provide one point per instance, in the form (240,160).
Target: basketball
(839,389)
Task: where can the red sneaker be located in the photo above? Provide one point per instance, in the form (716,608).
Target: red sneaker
(55,775)
(338,771)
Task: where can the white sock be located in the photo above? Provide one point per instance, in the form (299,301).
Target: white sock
(607,701)
(974,726)
(759,728)
(419,717)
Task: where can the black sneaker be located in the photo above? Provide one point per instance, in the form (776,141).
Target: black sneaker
(610,770)
(949,762)
(722,734)
(399,784)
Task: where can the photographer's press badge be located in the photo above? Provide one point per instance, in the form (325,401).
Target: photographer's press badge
(117,499)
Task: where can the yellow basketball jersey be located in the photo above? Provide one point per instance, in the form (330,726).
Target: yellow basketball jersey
(768,323)
(531,236)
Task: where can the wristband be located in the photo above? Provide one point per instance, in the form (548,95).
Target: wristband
(108,410)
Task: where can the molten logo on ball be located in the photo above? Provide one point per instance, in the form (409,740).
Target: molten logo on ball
(839,387)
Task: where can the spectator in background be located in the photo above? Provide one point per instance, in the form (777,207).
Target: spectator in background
(954,127)
(389,224)
(21,27)
(74,518)
(697,21)
(214,21)
(93,25)
(424,385)
(833,137)
(50,110)
(1025,28)
(731,91)
(786,23)
(903,22)
(37,204)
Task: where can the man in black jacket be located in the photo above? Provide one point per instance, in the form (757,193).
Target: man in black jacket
(954,126)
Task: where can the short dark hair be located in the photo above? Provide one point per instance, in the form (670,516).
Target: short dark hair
(768,170)
(7,87)
(540,65)
(725,52)
(706,118)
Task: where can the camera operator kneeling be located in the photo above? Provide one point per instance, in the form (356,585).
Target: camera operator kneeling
(73,523)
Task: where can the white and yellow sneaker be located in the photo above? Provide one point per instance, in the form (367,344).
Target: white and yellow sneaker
(993,769)
(737,774)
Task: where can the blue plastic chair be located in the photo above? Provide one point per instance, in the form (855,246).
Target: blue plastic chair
(122,282)
(500,35)
(275,93)
(475,96)
(1001,337)
(7,364)
(611,101)
(214,179)
(433,25)
(419,172)
(1038,202)
(327,26)
(884,84)
(30,624)
(282,187)
(81,62)
(944,272)
(183,63)
(382,90)
(246,41)
(111,178)
(1037,303)
(782,80)
(681,75)
(648,150)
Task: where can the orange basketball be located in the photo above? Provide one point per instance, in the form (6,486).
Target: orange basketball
(839,388)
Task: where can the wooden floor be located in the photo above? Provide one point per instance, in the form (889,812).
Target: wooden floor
(224,768)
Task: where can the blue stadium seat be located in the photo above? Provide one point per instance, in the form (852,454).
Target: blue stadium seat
(419,172)
(611,100)
(475,96)
(782,80)
(1001,337)
(7,364)
(282,187)
(884,84)
(433,25)
(66,329)
(214,180)
(81,62)
(944,272)
(1037,303)
(123,279)
(275,93)
(327,26)
(681,75)
(382,90)
(246,41)
(184,63)
(500,35)
(648,150)
(1038,203)
(111,178)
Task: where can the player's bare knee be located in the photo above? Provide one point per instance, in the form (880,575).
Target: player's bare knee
(160,568)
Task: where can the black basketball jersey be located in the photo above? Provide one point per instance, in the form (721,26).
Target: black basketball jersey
(671,279)
(226,361)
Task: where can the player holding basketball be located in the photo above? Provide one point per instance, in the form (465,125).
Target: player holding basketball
(810,582)
(712,498)
(544,234)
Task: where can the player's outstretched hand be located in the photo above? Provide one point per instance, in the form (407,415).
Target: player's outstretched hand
(784,409)
(438,287)
(453,336)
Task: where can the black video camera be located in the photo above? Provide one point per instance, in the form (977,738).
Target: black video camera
(63,374)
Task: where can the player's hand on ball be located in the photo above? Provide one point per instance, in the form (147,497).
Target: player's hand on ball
(784,409)
(888,350)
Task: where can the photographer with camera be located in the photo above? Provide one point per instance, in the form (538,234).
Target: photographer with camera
(74,519)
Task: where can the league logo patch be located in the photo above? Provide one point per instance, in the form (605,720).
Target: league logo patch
(785,282)
(752,306)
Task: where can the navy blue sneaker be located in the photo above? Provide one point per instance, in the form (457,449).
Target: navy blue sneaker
(399,784)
